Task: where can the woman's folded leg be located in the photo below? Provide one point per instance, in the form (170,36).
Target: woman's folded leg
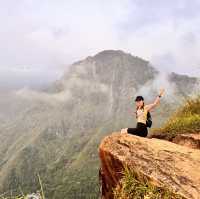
(138,131)
(133,131)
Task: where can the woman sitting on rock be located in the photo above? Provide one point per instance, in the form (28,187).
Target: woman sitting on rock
(141,115)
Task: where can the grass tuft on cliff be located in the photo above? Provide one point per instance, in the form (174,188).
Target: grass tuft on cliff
(40,193)
(132,186)
(186,119)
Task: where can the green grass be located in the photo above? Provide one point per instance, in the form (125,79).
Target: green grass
(186,119)
(133,186)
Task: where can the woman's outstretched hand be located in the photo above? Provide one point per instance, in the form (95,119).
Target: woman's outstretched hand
(162,91)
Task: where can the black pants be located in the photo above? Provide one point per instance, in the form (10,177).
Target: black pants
(140,130)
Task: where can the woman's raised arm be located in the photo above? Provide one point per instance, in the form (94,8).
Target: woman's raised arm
(156,101)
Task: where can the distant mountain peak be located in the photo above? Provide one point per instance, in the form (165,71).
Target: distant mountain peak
(107,55)
(116,53)
(109,66)
(111,52)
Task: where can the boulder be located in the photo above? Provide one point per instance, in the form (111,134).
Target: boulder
(162,162)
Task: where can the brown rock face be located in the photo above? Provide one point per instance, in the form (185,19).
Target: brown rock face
(189,140)
(162,162)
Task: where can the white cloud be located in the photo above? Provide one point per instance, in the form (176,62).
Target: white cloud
(52,34)
(52,99)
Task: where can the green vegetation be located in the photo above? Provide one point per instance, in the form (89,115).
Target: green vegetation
(68,166)
(133,186)
(68,163)
(21,195)
(186,119)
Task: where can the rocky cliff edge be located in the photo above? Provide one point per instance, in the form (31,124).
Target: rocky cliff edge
(162,162)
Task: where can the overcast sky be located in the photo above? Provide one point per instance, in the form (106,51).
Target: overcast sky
(39,38)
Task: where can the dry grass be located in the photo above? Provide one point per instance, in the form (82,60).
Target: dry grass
(132,186)
(185,119)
